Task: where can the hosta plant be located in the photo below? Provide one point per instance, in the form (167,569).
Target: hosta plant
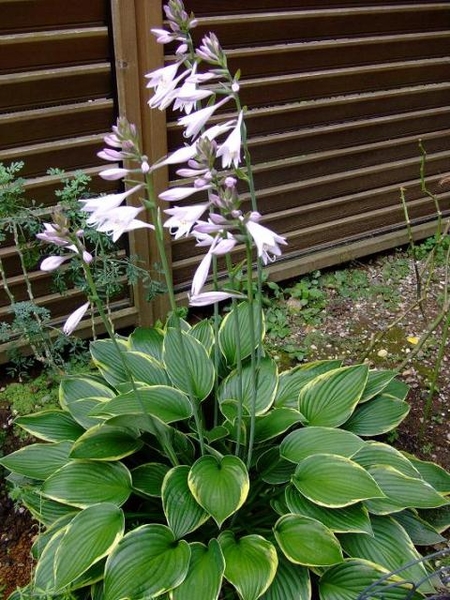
(188,466)
(131,508)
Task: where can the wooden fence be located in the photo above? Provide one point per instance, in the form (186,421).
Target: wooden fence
(339,93)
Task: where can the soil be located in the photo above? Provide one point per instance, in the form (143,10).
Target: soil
(347,327)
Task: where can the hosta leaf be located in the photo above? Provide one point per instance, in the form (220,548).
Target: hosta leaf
(147,562)
(38,461)
(81,411)
(377,381)
(43,510)
(402,491)
(204,333)
(148,340)
(305,541)
(83,483)
(377,453)
(396,389)
(273,469)
(75,389)
(146,369)
(433,474)
(148,478)
(204,578)
(354,518)
(240,386)
(334,481)
(109,358)
(237,324)
(45,535)
(44,574)
(314,440)
(291,582)
(378,416)
(292,381)
(106,443)
(183,513)
(349,579)
(250,563)
(389,547)
(51,425)
(439,518)
(420,532)
(220,486)
(91,535)
(188,364)
(330,399)
(163,402)
(275,422)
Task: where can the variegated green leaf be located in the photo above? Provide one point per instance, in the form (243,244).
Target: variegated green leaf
(91,535)
(349,579)
(353,518)
(183,513)
(291,382)
(104,442)
(148,478)
(402,492)
(38,461)
(276,422)
(240,386)
(148,340)
(420,532)
(204,578)
(188,364)
(305,541)
(334,481)
(109,358)
(291,582)
(51,425)
(147,562)
(166,403)
(250,563)
(220,486)
(237,323)
(83,483)
(377,416)
(377,453)
(389,547)
(314,440)
(330,399)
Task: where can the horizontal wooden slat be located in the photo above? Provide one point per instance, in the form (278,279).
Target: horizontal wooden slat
(50,87)
(212,7)
(333,82)
(56,122)
(69,154)
(25,15)
(292,25)
(345,108)
(349,52)
(48,49)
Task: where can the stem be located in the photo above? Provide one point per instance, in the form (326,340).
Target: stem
(156,430)
(238,360)
(442,346)
(48,356)
(254,359)
(159,235)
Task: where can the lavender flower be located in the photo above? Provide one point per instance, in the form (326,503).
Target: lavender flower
(73,320)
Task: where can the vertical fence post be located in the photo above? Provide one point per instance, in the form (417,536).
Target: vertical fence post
(137,53)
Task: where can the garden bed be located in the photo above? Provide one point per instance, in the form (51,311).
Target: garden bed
(338,319)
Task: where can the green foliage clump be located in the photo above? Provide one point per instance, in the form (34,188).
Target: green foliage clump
(132,507)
